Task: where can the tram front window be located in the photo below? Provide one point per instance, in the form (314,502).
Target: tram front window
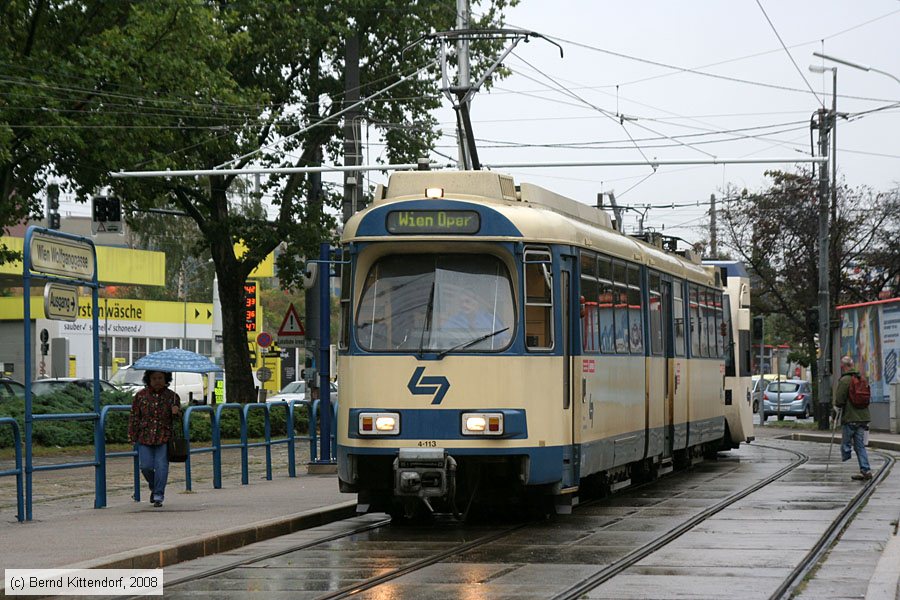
(435,303)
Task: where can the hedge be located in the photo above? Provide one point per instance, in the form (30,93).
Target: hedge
(74,399)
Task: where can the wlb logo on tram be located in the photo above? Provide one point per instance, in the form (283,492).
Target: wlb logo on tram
(427,386)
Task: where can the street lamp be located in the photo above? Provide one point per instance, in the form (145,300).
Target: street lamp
(854,65)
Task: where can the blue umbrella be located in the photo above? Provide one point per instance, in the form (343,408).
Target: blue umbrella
(176,360)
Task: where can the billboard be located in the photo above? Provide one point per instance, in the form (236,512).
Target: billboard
(871,335)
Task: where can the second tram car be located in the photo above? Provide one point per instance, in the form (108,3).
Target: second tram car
(504,344)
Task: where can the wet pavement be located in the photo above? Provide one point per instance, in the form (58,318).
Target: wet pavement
(745,551)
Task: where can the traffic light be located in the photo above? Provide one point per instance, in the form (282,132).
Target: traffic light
(53,197)
(113,209)
(757,328)
(812,319)
(53,206)
(101,209)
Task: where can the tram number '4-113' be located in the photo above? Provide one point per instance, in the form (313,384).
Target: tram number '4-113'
(427,444)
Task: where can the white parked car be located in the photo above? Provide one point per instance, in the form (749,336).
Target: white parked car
(186,385)
(296,390)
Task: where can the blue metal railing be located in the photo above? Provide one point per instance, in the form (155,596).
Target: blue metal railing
(245,445)
(18,471)
(217,442)
(290,435)
(314,426)
(102,455)
(216,447)
(186,431)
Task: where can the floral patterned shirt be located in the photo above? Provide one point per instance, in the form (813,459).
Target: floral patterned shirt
(150,421)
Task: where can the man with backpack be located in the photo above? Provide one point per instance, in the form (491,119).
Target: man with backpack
(852,399)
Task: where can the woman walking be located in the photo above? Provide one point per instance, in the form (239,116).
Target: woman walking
(153,412)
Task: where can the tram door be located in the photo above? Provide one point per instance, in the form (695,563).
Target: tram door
(668,337)
(571,467)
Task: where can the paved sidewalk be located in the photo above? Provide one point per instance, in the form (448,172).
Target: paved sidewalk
(67,531)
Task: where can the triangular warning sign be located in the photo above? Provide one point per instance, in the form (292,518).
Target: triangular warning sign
(291,324)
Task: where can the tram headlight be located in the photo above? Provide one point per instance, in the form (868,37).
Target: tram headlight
(379,423)
(482,423)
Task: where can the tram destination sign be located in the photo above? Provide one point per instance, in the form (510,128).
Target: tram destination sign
(61,256)
(422,222)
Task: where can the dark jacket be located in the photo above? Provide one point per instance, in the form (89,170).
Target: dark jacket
(851,414)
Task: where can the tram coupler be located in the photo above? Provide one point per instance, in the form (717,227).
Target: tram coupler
(424,473)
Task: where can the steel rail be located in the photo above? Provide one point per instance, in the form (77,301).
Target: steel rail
(797,576)
(242,562)
(638,554)
(420,564)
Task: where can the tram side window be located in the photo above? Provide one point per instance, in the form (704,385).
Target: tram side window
(590,310)
(717,331)
(620,308)
(538,300)
(694,311)
(607,292)
(678,310)
(711,330)
(635,315)
(656,329)
(344,339)
(705,314)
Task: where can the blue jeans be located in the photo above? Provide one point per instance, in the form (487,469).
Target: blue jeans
(154,462)
(852,433)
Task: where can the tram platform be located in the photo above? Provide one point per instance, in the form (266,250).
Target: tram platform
(128,534)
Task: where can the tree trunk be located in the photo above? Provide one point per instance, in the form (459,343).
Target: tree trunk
(236,353)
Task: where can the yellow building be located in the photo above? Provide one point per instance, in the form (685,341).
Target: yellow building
(128,328)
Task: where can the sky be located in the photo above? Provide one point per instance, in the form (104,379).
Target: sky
(670,113)
(688,79)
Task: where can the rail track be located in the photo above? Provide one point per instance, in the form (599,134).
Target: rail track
(370,558)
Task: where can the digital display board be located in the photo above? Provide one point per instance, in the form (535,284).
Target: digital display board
(433,221)
(250,306)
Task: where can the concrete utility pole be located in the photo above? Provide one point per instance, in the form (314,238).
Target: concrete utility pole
(824,122)
(462,52)
(713,241)
(352,148)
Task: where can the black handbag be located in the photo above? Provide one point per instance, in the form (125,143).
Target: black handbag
(178,450)
(178,446)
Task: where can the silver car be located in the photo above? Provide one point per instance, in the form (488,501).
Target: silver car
(792,397)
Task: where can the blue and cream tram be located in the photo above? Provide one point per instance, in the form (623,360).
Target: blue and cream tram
(503,344)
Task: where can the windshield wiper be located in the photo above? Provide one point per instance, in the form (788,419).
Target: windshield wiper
(471,342)
(428,310)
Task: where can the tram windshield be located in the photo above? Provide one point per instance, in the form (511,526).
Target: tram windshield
(435,303)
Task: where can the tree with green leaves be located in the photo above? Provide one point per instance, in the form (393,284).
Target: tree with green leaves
(95,86)
(775,233)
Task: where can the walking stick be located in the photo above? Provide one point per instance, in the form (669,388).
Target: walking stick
(837,417)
